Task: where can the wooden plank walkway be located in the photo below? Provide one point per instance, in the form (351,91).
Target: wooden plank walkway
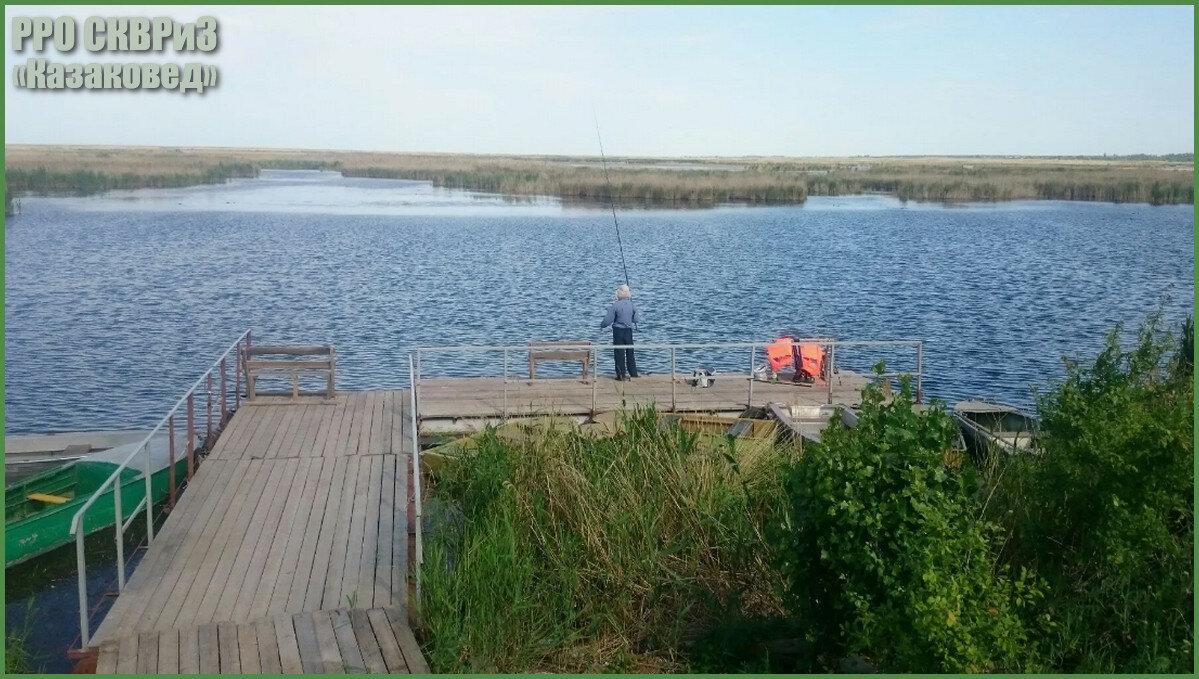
(300,514)
(341,641)
(481,397)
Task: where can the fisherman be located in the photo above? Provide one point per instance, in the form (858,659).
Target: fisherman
(623,318)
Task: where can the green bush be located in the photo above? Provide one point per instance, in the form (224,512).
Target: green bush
(1106,513)
(885,556)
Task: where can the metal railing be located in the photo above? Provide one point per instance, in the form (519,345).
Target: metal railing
(753,349)
(206,380)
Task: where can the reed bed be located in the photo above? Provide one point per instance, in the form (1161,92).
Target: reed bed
(689,182)
(566,552)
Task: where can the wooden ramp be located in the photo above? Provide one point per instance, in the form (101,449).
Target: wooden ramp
(298,521)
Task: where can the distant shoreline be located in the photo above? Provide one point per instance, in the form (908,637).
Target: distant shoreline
(658,182)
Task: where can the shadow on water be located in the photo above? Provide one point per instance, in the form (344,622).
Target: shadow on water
(41,595)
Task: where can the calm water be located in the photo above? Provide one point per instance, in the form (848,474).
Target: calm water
(115,304)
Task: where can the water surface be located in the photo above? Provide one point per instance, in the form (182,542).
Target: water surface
(114,304)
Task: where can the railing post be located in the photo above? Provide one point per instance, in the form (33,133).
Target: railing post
(120,533)
(752,355)
(208,436)
(171,457)
(832,365)
(81,571)
(237,378)
(149,498)
(414,377)
(191,434)
(224,395)
(505,413)
(920,371)
(673,383)
(594,381)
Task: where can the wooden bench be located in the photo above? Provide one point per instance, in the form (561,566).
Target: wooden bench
(551,351)
(294,366)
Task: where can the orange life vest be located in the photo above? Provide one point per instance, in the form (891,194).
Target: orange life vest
(812,359)
(781,354)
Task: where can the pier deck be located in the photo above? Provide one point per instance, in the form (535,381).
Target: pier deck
(489,397)
(288,552)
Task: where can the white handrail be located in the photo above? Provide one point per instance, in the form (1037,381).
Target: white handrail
(77,519)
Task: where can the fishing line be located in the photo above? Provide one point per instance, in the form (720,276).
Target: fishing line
(611,196)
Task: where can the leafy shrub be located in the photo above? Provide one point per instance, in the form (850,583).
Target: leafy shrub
(885,556)
(1106,513)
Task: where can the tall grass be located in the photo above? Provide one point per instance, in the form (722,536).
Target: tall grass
(571,553)
(691,182)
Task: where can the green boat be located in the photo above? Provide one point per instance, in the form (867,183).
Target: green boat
(38,510)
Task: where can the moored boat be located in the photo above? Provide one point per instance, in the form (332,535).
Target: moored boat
(990,427)
(38,510)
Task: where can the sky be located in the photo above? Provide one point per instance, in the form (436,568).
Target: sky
(660,81)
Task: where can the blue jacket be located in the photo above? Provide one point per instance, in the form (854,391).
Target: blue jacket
(622,314)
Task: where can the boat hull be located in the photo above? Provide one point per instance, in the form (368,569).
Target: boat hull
(33,528)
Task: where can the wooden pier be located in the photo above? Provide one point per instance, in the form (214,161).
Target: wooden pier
(287,553)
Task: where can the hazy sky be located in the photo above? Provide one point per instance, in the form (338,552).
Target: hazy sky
(662,81)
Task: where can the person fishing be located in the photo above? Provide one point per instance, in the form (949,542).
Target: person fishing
(623,318)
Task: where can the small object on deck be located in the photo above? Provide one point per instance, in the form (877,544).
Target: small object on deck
(548,351)
(47,497)
(702,377)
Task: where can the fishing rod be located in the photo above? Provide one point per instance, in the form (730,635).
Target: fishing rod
(611,197)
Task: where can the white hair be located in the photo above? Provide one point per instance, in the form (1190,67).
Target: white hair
(623,292)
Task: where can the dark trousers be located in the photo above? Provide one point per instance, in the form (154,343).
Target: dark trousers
(624,357)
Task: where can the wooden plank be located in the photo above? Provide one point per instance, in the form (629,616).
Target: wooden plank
(356,540)
(268,648)
(354,443)
(161,608)
(339,542)
(214,568)
(289,647)
(230,657)
(322,549)
(298,349)
(168,652)
(260,538)
(374,444)
(412,655)
(295,565)
(402,523)
(247,648)
(328,416)
(369,555)
(347,643)
(326,639)
(127,654)
(383,539)
(385,443)
(147,584)
(368,645)
(106,663)
(278,445)
(189,651)
(389,646)
(298,586)
(290,530)
(310,652)
(209,651)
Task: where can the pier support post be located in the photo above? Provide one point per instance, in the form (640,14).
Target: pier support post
(120,535)
(505,411)
(191,434)
(674,401)
(832,366)
(208,423)
(224,395)
(752,356)
(171,457)
(920,371)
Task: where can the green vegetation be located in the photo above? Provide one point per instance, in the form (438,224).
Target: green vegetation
(690,182)
(18,659)
(1106,513)
(881,548)
(574,553)
(886,557)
